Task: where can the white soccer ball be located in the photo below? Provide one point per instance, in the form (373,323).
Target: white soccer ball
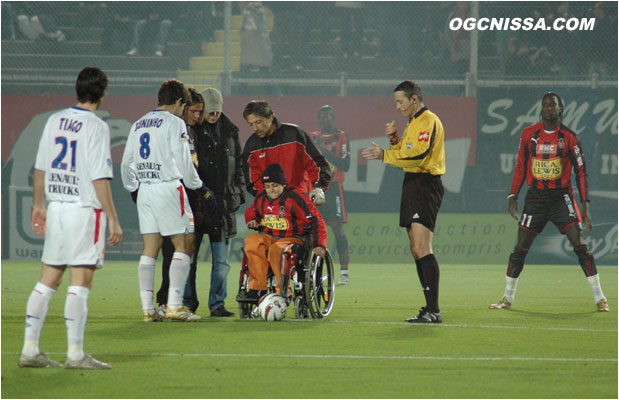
(272,307)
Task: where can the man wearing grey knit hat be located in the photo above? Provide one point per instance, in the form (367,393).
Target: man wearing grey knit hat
(213,102)
(219,165)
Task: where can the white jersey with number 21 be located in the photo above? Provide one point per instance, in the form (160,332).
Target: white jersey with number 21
(74,151)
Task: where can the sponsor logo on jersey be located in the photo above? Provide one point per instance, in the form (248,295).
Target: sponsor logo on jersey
(409,145)
(274,222)
(579,159)
(544,148)
(424,136)
(570,205)
(546,169)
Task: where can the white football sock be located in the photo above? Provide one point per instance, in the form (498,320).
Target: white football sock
(179,271)
(594,282)
(36,311)
(75,316)
(510,288)
(146,276)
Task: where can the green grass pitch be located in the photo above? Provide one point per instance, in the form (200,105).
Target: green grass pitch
(553,344)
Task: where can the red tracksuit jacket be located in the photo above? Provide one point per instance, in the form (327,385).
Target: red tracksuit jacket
(290,147)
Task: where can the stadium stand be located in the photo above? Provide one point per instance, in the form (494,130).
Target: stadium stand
(306,46)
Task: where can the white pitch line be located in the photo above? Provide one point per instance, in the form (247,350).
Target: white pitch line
(470,326)
(351,357)
(381,357)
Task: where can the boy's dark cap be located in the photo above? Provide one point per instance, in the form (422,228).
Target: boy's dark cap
(274,173)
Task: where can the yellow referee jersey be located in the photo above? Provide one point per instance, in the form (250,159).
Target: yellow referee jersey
(422,148)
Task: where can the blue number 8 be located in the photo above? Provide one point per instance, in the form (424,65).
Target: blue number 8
(145,148)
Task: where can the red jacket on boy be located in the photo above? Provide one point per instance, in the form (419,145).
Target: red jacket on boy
(292,214)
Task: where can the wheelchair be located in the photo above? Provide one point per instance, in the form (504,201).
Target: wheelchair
(308,282)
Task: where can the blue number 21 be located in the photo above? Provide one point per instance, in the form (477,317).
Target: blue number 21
(58,161)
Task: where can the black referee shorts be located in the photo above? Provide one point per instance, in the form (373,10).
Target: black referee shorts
(422,195)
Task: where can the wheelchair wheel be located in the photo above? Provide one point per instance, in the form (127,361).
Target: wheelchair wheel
(319,285)
(245,307)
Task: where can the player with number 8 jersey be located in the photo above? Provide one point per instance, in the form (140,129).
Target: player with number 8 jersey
(156,158)
(157,151)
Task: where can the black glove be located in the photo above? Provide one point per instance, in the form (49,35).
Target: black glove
(134,196)
(209,202)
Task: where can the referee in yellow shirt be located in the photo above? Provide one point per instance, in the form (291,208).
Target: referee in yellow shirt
(421,154)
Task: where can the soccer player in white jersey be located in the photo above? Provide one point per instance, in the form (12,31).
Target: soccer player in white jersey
(72,171)
(156,158)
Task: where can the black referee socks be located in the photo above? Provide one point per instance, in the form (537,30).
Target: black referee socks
(429,276)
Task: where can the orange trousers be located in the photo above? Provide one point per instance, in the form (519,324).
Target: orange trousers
(263,250)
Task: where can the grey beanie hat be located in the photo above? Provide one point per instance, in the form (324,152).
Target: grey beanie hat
(213,100)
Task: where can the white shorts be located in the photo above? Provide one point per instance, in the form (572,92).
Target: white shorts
(74,235)
(164,208)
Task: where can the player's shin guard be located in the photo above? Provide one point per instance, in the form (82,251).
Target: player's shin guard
(75,316)
(587,263)
(586,260)
(514,268)
(431,277)
(179,271)
(36,311)
(146,276)
(342,250)
(516,262)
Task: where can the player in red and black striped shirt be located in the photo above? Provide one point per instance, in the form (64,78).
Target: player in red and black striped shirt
(547,154)
(282,215)
(335,146)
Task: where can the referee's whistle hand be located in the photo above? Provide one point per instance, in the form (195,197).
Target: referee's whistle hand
(390,130)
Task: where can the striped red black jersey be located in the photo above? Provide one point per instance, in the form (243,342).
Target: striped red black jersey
(336,149)
(290,147)
(546,160)
(292,214)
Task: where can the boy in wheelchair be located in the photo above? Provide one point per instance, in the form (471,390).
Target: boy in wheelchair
(282,215)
